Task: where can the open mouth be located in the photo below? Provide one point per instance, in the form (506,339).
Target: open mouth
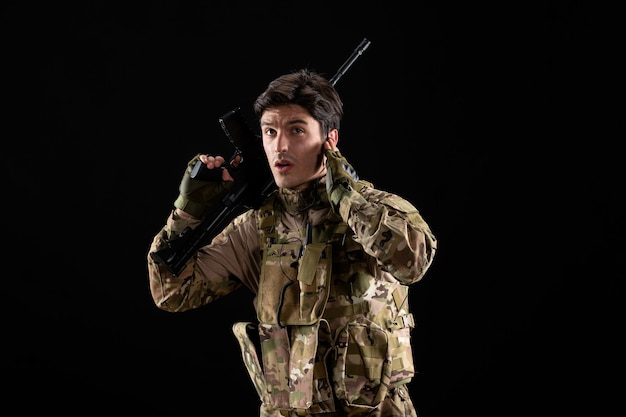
(282,165)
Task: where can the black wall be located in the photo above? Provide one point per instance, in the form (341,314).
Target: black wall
(485,116)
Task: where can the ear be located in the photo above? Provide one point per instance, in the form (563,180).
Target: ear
(332,139)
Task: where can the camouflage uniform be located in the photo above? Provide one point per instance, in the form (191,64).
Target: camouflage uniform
(331,291)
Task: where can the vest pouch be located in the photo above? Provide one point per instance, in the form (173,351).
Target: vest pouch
(293,289)
(294,376)
(250,357)
(362,366)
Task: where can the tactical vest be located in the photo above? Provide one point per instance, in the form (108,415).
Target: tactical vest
(328,326)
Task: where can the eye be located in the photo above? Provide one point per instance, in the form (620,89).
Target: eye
(298,130)
(269,132)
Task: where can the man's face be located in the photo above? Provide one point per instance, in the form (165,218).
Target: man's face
(293,144)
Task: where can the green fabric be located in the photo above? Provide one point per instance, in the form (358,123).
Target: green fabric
(197,196)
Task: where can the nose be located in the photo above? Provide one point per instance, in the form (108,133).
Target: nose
(280,143)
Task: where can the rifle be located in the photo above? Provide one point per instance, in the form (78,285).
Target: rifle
(253,183)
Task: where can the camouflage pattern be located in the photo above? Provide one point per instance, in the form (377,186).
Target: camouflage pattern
(368,350)
(294,283)
(250,357)
(332,324)
(341,177)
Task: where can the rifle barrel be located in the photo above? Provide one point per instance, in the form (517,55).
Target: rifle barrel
(365,43)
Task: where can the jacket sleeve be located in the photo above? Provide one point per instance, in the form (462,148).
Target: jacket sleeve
(391,230)
(231,260)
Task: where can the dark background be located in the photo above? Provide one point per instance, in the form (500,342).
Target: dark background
(488,117)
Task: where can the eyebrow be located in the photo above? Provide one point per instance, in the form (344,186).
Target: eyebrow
(290,122)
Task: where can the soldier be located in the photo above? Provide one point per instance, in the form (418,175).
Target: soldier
(328,257)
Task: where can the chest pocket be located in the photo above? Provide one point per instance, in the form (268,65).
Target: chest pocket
(294,284)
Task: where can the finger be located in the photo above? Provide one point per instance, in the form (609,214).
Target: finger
(212,161)
(330,145)
(236,161)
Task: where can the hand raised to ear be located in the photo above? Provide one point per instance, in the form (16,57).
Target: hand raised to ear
(341,177)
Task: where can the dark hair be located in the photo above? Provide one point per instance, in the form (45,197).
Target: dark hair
(307,89)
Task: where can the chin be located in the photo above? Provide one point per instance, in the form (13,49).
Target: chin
(284,183)
(281,182)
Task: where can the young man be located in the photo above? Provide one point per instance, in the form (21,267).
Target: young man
(328,257)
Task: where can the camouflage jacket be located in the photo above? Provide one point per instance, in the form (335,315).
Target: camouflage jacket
(331,292)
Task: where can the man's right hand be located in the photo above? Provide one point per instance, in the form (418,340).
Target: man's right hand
(197,196)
